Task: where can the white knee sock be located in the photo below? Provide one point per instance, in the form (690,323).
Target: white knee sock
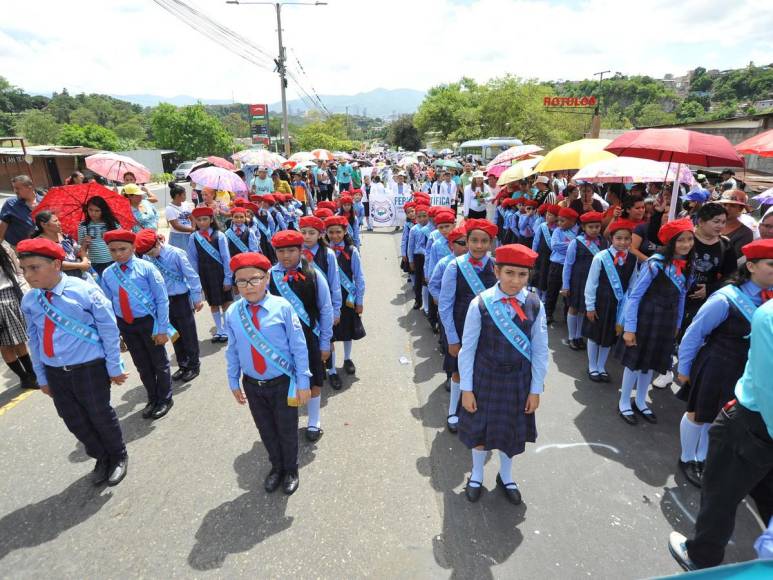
(425,298)
(478,461)
(505,468)
(347,350)
(593,353)
(332,370)
(629,379)
(703,444)
(571,325)
(218,317)
(313,410)
(601,361)
(453,404)
(689,434)
(642,386)
(578,326)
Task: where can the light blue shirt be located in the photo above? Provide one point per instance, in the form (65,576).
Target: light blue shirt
(526,225)
(647,273)
(438,249)
(571,256)
(538,338)
(416,242)
(175,260)
(344,173)
(146,277)
(262,186)
(81,301)
(538,236)
(755,388)
(280,325)
(592,283)
(332,278)
(447,297)
(279,220)
(147,219)
(560,244)
(358,278)
(404,238)
(225,254)
(436,279)
(324,304)
(253,244)
(711,314)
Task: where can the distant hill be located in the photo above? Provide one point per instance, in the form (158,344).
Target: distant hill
(376,103)
(178,100)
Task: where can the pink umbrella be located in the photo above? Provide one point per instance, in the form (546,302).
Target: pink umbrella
(113,167)
(497,169)
(513,153)
(218,178)
(677,146)
(761,145)
(633,170)
(220,162)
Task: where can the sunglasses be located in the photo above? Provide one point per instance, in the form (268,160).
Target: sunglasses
(462,243)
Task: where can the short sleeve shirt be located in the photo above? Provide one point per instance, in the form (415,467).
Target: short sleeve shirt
(17,214)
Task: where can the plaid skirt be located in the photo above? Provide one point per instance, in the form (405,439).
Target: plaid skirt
(13,328)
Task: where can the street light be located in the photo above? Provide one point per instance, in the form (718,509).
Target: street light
(280,61)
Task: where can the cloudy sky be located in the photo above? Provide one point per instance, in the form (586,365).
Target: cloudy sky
(348,46)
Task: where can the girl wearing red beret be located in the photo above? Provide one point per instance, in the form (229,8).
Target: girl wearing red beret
(559,243)
(347,210)
(543,235)
(653,315)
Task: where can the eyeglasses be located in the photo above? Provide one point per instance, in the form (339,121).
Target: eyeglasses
(460,242)
(256,281)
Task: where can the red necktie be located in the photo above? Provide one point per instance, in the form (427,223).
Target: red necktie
(340,249)
(620,258)
(294,275)
(309,254)
(238,231)
(593,241)
(123,300)
(513,302)
(476,263)
(679,265)
(205,235)
(257,359)
(48,331)
(766,295)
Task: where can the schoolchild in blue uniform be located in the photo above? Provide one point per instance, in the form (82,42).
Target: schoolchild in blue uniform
(438,248)
(352,288)
(415,251)
(543,235)
(323,259)
(579,255)
(271,202)
(464,278)
(298,282)
(73,340)
(267,353)
(184,289)
(410,216)
(714,349)
(653,315)
(208,254)
(502,363)
(141,305)
(559,244)
(358,207)
(346,209)
(265,225)
(240,237)
(527,223)
(610,276)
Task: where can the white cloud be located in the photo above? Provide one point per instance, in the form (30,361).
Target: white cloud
(348,46)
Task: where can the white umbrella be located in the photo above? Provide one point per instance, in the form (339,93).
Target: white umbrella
(517,152)
(408,160)
(260,157)
(519,171)
(302,156)
(633,170)
(322,155)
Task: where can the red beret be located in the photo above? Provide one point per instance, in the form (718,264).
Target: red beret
(287,239)
(268,198)
(590,217)
(202,212)
(420,194)
(756,250)
(531,203)
(518,199)
(145,240)
(542,210)
(421,207)
(251,206)
(310,221)
(327,205)
(445,217)
(336,220)
(509,202)
(250,260)
(621,224)
(553,208)
(669,230)
(569,213)
(354,192)
(120,236)
(322,213)
(255,198)
(240,201)
(41,247)
(238,209)
(515,255)
(409,204)
(456,234)
(345,199)
(482,225)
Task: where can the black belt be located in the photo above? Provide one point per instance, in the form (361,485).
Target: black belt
(275,382)
(68,368)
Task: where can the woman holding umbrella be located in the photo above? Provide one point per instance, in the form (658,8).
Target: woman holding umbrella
(144,211)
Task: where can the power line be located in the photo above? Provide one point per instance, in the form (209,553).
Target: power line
(313,90)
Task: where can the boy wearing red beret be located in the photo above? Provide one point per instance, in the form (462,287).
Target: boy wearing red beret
(559,244)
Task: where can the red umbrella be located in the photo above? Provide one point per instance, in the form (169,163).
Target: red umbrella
(677,146)
(761,145)
(68,202)
(220,162)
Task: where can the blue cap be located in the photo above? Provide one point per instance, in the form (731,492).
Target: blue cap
(700,195)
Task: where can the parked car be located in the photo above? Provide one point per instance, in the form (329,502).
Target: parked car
(182,171)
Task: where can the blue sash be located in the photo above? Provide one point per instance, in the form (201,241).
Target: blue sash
(507,326)
(147,304)
(546,235)
(617,285)
(443,248)
(288,294)
(264,229)
(275,357)
(69,325)
(592,248)
(740,300)
(208,248)
(472,278)
(348,285)
(166,272)
(679,281)
(570,234)
(231,235)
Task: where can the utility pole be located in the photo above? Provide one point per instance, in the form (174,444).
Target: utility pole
(280,60)
(347,121)
(595,123)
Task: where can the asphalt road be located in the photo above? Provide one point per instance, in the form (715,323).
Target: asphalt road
(381,493)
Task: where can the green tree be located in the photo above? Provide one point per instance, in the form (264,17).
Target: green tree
(403,133)
(131,129)
(189,130)
(37,127)
(90,135)
(652,114)
(690,111)
(7,123)
(325,134)
(236,125)
(83,116)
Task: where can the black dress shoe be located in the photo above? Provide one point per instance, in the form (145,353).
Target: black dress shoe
(604,377)
(148,410)
(290,483)
(416,305)
(313,434)
(549,320)
(29,381)
(691,472)
(628,417)
(452,427)
(580,343)
(594,376)
(512,494)
(473,491)
(273,480)
(162,409)
(447,385)
(189,375)
(100,473)
(117,471)
(335,382)
(647,414)
(573,344)
(178,374)
(349,367)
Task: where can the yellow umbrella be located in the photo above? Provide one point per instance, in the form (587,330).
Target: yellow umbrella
(518,171)
(575,155)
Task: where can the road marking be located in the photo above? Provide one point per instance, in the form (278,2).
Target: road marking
(584,444)
(16,400)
